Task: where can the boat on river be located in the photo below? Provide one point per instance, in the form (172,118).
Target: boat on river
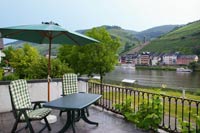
(181,69)
(128,66)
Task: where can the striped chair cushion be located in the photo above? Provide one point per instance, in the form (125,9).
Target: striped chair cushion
(21,99)
(37,113)
(20,94)
(69,84)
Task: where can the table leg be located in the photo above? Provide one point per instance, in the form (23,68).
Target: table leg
(86,119)
(70,121)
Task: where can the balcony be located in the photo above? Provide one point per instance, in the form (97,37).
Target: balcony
(104,112)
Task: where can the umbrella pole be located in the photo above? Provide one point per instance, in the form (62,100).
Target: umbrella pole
(49,68)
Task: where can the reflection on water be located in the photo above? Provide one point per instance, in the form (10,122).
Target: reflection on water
(156,78)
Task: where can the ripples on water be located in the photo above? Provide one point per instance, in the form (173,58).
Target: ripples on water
(174,80)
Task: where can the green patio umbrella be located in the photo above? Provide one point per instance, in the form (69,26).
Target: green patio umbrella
(45,33)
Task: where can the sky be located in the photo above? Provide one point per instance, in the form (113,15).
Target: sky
(75,15)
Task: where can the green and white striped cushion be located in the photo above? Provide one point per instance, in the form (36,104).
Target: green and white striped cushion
(69,84)
(21,99)
(37,113)
(20,94)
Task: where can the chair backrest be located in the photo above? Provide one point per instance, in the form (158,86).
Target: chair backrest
(19,93)
(69,83)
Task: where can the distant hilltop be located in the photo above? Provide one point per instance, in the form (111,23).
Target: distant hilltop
(184,39)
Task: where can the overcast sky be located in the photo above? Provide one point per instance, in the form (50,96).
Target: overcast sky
(82,14)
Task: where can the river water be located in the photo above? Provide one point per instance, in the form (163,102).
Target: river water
(156,78)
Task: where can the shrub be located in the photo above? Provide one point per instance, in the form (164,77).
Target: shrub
(184,125)
(125,108)
(11,77)
(149,115)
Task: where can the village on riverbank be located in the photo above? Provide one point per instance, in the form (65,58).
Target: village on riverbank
(163,61)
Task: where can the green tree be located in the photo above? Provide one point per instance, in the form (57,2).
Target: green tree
(8,56)
(64,53)
(98,58)
(28,64)
(39,70)
(101,57)
(193,65)
(58,68)
(23,59)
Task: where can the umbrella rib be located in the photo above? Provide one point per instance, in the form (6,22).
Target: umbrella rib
(71,38)
(45,35)
(67,36)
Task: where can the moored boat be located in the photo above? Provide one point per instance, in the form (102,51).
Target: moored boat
(183,70)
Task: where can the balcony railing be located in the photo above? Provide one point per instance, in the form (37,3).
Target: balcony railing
(175,109)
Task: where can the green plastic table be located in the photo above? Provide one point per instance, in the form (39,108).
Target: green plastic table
(72,103)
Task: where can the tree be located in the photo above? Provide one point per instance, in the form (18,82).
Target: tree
(90,59)
(102,57)
(23,59)
(193,65)
(8,56)
(57,69)
(29,64)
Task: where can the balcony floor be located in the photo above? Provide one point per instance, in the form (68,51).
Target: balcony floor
(108,123)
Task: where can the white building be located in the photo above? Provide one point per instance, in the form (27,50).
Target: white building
(170,59)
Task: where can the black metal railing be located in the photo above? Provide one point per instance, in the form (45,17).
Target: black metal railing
(175,109)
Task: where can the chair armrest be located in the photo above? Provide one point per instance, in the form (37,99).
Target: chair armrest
(37,104)
(81,92)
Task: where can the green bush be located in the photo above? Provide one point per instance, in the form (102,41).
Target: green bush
(149,115)
(10,77)
(125,108)
(184,125)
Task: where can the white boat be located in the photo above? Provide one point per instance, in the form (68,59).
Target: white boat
(181,69)
(131,81)
(128,66)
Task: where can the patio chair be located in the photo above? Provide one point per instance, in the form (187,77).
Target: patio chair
(70,86)
(23,109)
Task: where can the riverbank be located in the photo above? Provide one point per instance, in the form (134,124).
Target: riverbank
(167,68)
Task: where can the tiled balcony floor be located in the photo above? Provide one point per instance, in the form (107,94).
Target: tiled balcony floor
(108,123)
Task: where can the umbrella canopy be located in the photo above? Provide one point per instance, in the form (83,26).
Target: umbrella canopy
(45,33)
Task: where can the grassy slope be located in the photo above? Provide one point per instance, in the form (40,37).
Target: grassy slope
(184,39)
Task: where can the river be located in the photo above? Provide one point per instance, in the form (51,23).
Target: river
(155,78)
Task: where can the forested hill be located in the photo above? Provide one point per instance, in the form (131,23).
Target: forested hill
(185,39)
(126,37)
